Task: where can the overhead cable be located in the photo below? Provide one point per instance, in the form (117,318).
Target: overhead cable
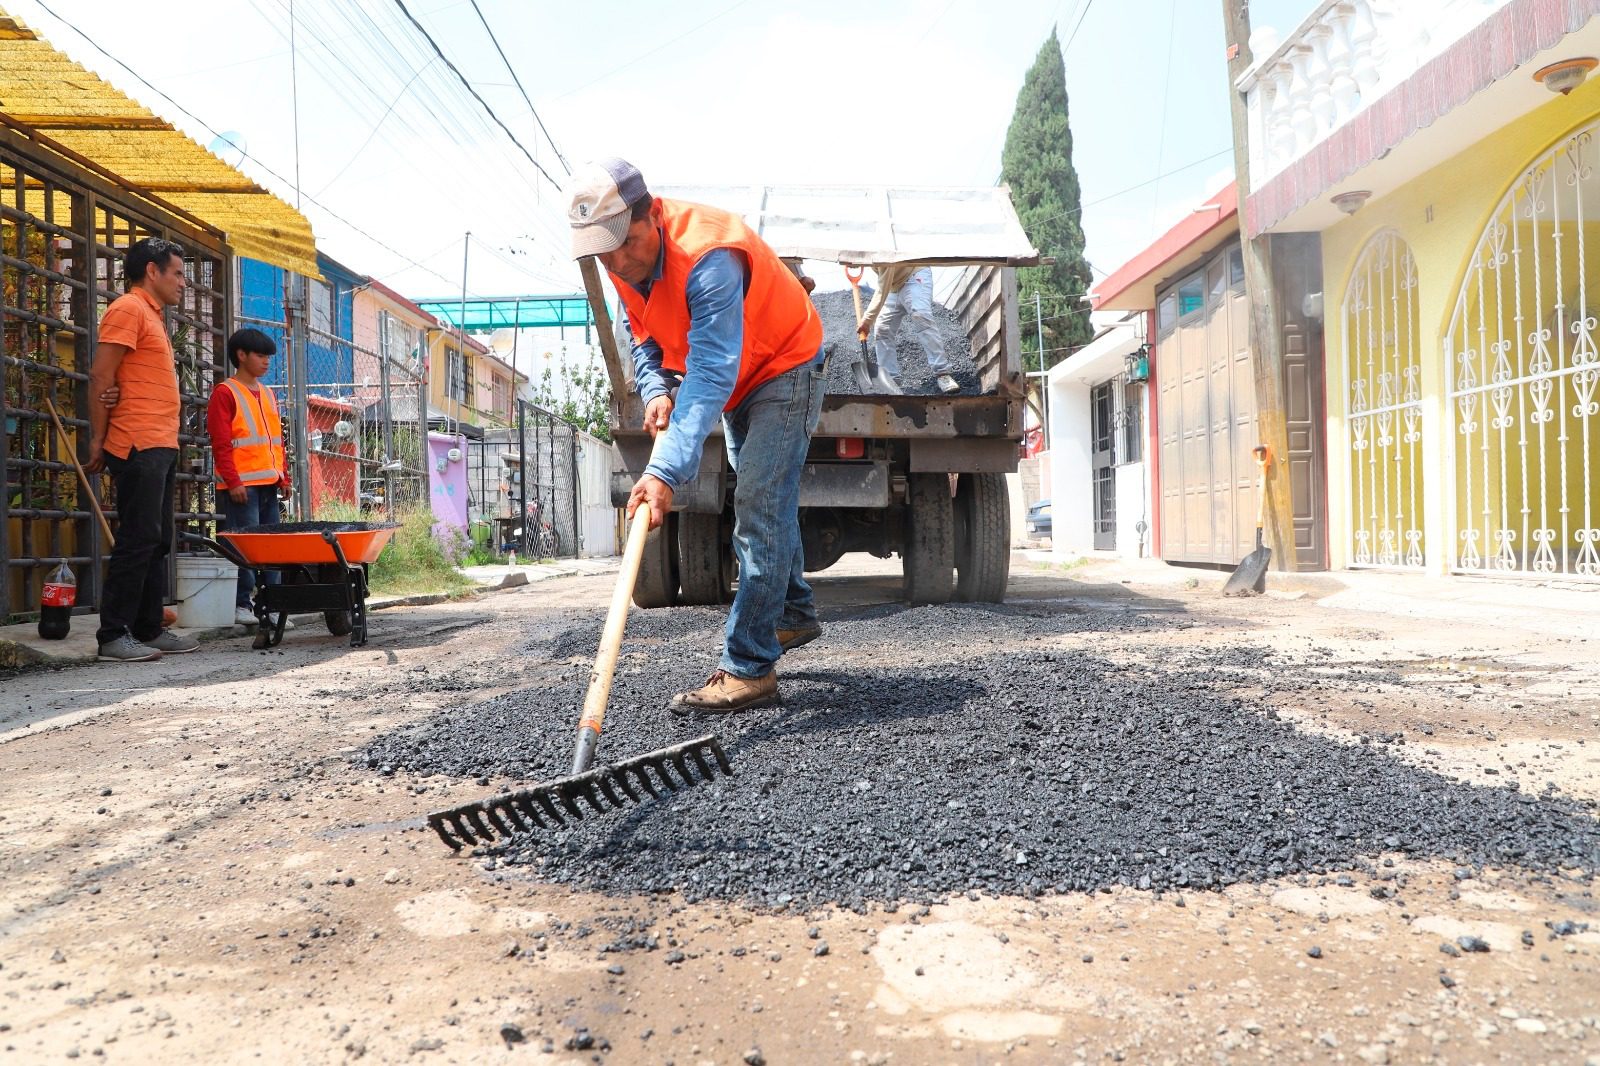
(213,131)
(512,71)
(401,4)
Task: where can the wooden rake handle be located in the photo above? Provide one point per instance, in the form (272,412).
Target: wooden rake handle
(605,660)
(83,478)
(1263,460)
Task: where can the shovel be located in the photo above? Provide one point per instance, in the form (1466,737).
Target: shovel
(589,790)
(865,368)
(1250,576)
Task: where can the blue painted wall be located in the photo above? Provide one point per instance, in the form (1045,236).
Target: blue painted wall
(330,364)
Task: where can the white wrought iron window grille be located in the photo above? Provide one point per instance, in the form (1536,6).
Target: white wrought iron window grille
(1382,342)
(1523,369)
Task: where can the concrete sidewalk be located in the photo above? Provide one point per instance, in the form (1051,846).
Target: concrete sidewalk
(21,646)
(1558,608)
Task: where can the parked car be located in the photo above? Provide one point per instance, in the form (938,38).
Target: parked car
(1039,524)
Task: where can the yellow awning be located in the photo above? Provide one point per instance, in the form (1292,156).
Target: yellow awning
(43,89)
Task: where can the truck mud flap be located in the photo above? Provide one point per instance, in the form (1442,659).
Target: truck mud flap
(963,456)
(845,485)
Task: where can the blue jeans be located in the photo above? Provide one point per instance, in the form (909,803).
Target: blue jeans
(260,508)
(768,435)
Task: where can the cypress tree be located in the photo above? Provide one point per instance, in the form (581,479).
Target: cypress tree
(1037,164)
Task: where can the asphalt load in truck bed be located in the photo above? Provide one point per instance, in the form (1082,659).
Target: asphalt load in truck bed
(838,313)
(925,753)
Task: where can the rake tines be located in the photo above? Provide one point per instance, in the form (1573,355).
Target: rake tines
(568,800)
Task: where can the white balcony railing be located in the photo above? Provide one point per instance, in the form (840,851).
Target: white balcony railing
(1343,57)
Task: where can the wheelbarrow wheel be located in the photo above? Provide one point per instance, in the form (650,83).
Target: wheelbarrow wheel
(340,622)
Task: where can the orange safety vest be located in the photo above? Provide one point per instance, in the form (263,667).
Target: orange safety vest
(257,436)
(781,327)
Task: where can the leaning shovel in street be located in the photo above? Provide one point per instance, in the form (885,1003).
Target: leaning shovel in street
(591,790)
(1250,576)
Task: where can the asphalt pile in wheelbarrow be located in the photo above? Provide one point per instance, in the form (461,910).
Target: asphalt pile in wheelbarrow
(838,313)
(306,527)
(925,753)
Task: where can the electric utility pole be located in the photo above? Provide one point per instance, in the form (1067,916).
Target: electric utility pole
(1265,331)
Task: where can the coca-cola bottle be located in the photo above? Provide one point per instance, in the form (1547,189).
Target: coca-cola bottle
(56,603)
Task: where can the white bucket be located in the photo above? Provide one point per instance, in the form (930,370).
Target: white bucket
(205,592)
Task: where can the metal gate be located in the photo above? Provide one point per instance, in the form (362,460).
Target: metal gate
(1206,405)
(1383,365)
(522,483)
(63,231)
(1103,463)
(1523,368)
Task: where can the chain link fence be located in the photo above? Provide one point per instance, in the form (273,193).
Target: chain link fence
(355,417)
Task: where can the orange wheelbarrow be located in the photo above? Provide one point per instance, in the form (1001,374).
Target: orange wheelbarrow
(324,567)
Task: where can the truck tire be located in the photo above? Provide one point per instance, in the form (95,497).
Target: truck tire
(983,538)
(658,571)
(705,577)
(821,537)
(929,555)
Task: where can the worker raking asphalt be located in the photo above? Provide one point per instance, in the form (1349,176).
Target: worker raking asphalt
(930,752)
(838,315)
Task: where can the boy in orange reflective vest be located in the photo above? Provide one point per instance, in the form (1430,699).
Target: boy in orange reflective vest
(247,452)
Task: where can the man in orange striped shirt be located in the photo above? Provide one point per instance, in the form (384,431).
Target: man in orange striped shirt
(137,440)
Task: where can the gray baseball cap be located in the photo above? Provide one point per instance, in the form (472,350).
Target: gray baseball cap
(603,196)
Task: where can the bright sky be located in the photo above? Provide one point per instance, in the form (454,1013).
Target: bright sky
(704,91)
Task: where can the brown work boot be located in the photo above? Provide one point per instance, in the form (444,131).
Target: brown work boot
(724,692)
(790,639)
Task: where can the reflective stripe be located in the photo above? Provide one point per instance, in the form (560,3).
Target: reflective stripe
(241,403)
(256,426)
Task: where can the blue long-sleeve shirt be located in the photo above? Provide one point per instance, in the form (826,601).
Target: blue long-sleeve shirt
(715,292)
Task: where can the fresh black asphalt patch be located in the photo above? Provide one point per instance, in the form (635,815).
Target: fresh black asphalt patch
(923,753)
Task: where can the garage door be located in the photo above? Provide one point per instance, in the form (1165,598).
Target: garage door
(1206,411)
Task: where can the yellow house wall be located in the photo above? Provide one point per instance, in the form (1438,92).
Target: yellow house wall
(437,375)
(1441,215)
(483,371)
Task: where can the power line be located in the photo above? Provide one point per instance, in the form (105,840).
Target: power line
(375,128)
(474,116)
(509,69)
(442,104)
(1166,107)
(401,4)
(545,278)
(932,24)
(1132,188)
(663,46)
(213,131)
(1073,35)
(355,79)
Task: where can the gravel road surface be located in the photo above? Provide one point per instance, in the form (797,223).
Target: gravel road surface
(1367,840)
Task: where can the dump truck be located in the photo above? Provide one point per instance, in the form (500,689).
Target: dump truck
(921,477)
